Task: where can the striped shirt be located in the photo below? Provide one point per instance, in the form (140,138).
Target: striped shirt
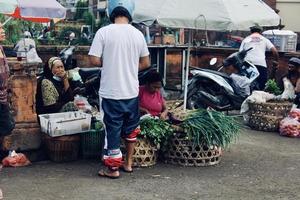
(4,74)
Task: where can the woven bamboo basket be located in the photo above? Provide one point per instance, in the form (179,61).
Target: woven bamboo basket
(145,153)
(264,122)
(272,108)
(183,152)
(266,116)
(63,148)
(178,112)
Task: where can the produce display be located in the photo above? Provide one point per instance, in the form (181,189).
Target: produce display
(211,128)
(156,130)
(290,126)
(272,87)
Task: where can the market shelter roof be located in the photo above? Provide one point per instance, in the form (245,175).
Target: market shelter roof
(216,15)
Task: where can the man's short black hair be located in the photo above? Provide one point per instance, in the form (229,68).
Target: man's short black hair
(120,12)
(256,29)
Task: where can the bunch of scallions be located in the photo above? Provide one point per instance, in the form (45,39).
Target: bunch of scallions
(209,128)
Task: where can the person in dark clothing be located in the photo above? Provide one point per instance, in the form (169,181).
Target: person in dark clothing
(54,93)
(294,76)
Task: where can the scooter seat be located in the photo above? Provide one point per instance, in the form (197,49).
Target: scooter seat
(86,73)
(217,73)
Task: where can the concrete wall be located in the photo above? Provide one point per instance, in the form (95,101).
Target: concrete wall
(290,14)
(200,58)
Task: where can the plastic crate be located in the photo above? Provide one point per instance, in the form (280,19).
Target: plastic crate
(284,40)
(92,143)
(67,123)
(62,149)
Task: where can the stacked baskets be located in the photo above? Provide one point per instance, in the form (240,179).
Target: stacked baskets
(266,116)
(64,148)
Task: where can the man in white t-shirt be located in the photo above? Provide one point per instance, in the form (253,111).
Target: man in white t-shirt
(257,56)
(122,51)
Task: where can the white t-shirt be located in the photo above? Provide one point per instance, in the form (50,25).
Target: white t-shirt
(120,46)
(257,56)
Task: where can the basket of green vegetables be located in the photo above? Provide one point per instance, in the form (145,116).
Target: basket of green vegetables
(205,133)
(154,132)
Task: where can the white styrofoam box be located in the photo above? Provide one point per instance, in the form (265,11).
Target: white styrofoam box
(284,40)
(66,123)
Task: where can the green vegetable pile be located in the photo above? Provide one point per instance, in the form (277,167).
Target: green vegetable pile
(207,127)
(156,130)
(272,87)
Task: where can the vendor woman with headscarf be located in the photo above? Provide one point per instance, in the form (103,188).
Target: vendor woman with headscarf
(54,93)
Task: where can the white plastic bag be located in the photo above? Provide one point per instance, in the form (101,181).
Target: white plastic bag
(289,90)
(257,97)
(82,103)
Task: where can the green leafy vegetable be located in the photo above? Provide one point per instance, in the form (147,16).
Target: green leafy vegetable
(211,128)
(156,130)
(272,87)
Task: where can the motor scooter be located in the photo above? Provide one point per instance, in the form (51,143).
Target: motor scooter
(91,83)
(215,89)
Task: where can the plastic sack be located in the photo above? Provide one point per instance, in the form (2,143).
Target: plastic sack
(241,85)
(257,97)
(289,90)
(82,103)
(15,160)
(295,114)
(290,127)
(74,75)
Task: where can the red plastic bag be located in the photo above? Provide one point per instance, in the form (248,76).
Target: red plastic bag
(15,160)
(290,127)
(295,114)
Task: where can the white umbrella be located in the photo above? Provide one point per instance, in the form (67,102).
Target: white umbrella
(218,15)
(33,10)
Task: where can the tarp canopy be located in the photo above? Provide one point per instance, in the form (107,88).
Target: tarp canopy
(218,15)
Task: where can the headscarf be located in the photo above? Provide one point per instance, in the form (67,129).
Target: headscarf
(52,60)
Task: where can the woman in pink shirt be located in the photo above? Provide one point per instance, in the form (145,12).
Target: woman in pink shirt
(150,98)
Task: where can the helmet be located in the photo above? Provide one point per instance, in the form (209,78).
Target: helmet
(27,34)
(120,8)
(294,61)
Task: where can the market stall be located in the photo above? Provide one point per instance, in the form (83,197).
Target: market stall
(205,15)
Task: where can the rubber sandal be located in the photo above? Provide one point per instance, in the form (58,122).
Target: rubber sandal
(125,170)
(103,173)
